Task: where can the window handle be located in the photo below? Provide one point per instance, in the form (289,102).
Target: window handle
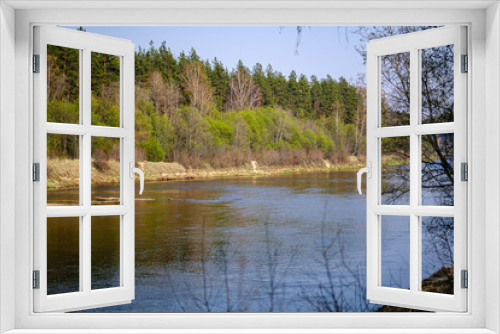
(368,171)
(139,171)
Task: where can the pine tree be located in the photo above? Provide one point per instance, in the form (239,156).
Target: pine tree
(304,106)
(271,82)
(193,56)
(316,94)
(349,99)
(168,64)
(260,80)
(280,90)
(219,79)
(292,92)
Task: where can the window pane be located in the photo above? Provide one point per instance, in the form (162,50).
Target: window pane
(105,89)
(395,89)
(437,170)
(63,170)
(105,171)
(395,171)
(437,84)
(63,85)
(63,255)
(395,252)
(105,252)
(437,254)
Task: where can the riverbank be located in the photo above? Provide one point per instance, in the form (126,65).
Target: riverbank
(64,173)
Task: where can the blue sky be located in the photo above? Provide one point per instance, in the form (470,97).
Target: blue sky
(323,50)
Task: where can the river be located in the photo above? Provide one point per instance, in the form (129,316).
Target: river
(287,243)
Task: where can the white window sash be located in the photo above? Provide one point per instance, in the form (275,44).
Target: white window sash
(414,298)
(86,297)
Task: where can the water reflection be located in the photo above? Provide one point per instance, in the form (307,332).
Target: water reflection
(281,244)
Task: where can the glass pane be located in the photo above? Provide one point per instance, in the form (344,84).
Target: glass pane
(395,252)
(437,170)
(63,170)
(105,252)
(395,89)
(63,85)
(437,84)
(395,171)
(63,255)
(105,89)
(105,171)
(437,254)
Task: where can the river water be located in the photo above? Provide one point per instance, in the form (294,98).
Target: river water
(287,243)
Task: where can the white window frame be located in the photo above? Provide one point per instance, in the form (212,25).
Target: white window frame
(413,297)
(85,43)
(483,100)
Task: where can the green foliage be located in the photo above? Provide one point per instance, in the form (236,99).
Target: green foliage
(294,135)
(222,132)
(311,138)
(105,74)
(153,150)
(325,143)
(63,112)
(105,112)
(63,79)
(311,119)
(106,145)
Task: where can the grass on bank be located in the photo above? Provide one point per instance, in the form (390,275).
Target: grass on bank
(65,173)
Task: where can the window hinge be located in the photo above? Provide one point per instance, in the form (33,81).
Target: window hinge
(36,63)
(465,279)
(36,279)
(464,167)
(36,172)
(465,63)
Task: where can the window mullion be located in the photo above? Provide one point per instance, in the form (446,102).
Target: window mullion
(414,171)
(86,164)
(86,122)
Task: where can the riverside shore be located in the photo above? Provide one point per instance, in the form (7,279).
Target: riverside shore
(64,173)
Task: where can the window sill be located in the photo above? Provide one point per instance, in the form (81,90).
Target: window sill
(252,331)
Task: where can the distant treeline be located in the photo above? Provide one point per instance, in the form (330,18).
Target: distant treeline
(196,111)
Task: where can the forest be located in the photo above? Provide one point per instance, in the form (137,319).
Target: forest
(199,112)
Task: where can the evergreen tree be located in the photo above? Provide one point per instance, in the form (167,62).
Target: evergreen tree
(219,79)
(63,73)
(193,56)
(304,106)
(316,95)
(260,80)
(349,99)
(280,90)
(105,72)
(292,93)
(271,81)
(168,64)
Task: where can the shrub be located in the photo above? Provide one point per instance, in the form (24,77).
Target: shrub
(299,156)
(154,151)
(316,156)
(100,160)
(140,154)
(271,157)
